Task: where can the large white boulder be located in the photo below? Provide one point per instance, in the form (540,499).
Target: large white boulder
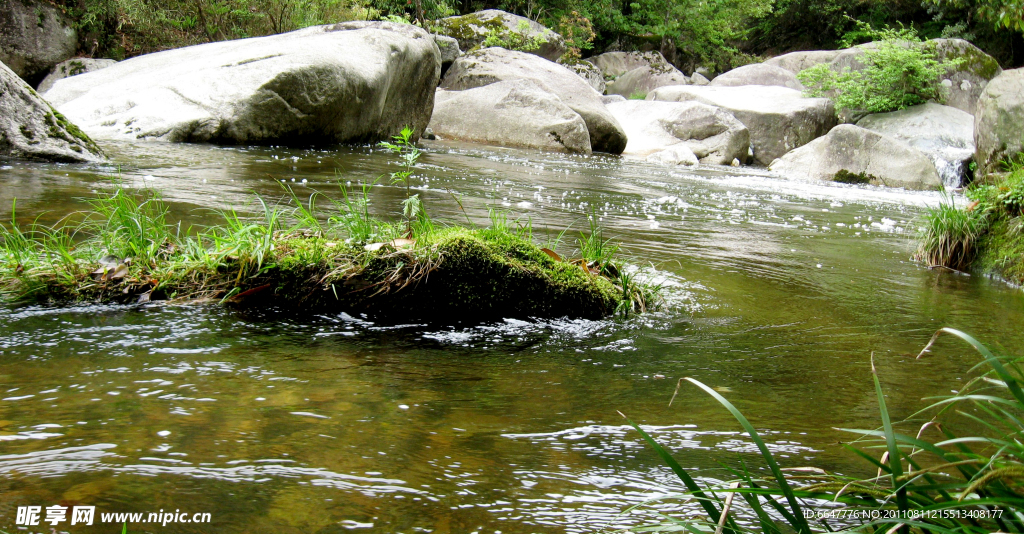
(965,83)
(490,65)
(349,82)
(850,151)
(515,113)
(34,36)
(757,74)
(779,119)
(72,67)
(797,61)
(643,80)
(31,129)
(590,73)
(615,64)
(472,29)
(945,134)
(999,121)
(712,134)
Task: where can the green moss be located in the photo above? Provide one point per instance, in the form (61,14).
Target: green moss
(997,215)
(26,132)
(62,128)
(77,67)
(846,177)
(467,27)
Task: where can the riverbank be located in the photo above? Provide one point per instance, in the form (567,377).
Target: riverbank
(984,234)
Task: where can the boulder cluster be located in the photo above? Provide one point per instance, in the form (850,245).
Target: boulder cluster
(362,82)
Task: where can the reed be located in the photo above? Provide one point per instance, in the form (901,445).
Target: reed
(930,479)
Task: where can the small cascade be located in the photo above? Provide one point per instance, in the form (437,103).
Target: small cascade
(951,162)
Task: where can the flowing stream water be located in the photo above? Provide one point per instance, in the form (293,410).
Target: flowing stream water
(777,295)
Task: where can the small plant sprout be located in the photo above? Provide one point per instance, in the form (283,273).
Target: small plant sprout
(409,154)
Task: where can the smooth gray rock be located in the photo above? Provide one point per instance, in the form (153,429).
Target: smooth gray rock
(473,28)
(966,83)
(998,120)
(609,99)
(698,79)
(615,64)
(72,67)
(449,48)
(712,134)
(31,129)
(757,74)
(514,113)
(34,36)
(779,119)
(643,80)
(490,65)
(945,134)
(351,82)
(797,61)
(882,159)
(590,73)
(677,154)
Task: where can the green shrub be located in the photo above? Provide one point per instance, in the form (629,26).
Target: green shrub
(901,71)
(520,39)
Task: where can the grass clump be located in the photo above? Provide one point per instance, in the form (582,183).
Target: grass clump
(928,478)
(987,233)
(124,250)
(950,236)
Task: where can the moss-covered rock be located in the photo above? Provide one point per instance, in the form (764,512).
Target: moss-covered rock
(31,129)
(472,29)
(450,275)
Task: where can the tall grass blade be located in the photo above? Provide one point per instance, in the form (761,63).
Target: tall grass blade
(895,455)
(687,480)
(795,515)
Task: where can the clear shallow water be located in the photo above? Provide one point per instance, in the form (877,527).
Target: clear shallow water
(778,294)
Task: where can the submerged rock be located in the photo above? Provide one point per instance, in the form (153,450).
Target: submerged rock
(998,119)
(779,119)
(515,113)
(351,82)
(490,65)
(945,134)
(34,36)
(72,67)
(31,129)
(711,134)
(851,153)
(472,29)
(757,74)
(642,80)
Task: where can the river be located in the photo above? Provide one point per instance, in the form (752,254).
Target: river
(777,294)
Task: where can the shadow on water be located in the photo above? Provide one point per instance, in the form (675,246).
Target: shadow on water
(281,423)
